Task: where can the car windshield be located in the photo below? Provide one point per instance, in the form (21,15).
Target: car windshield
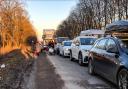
(87,41)
(67,43)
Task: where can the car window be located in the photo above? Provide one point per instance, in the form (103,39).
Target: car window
(111,45)
(87,41)
(101,44)
(67,43)
(124,44)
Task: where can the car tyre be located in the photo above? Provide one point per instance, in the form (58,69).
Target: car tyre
(122,80)
(90,67)
(80,58)
(71,58)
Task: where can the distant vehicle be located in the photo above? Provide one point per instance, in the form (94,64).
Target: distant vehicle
(65,48)
(109,55)
(80,48)
(59,41)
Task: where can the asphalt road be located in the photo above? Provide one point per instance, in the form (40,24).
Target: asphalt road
(76,76)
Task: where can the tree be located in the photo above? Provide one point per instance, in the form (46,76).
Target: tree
(15,26)
(91,14)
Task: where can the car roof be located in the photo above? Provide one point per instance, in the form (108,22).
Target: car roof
(68,41)
(86,37)
(107,38)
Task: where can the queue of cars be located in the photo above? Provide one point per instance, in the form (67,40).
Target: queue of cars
(106,56)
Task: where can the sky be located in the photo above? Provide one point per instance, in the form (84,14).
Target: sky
(48,14)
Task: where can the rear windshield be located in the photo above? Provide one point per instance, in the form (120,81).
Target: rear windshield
(87,41)
(67,43)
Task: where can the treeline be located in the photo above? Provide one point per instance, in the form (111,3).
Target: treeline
(15,26)
(91,14)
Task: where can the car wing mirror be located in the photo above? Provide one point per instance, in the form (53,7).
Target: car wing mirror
(111,50)
(116,55)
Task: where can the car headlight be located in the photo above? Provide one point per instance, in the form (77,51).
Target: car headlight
(66,49)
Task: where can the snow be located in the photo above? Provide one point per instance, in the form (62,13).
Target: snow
(122,24)
(92,32)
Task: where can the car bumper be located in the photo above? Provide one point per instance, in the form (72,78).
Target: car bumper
(85,57)
(67,53)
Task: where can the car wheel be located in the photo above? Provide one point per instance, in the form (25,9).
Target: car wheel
(80,58)
(123,79)
(90,67)
(71,58)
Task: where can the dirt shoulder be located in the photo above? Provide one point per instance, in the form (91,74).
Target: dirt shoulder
(46,77)
(16,67)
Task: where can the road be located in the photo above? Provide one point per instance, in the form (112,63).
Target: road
(76,76)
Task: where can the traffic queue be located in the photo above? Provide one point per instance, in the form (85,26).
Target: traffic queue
(104,51)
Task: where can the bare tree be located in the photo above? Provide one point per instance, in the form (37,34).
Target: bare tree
(14,23)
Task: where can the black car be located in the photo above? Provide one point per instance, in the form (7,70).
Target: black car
(109,58)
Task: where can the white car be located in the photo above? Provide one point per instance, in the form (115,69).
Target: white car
(65,48)
(59,41)
(80,48)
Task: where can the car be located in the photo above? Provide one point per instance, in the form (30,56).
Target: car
(80,47)
(109,58)
(65,48)
(59,41)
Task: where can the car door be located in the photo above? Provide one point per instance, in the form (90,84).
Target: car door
(110,59)
(99,55)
